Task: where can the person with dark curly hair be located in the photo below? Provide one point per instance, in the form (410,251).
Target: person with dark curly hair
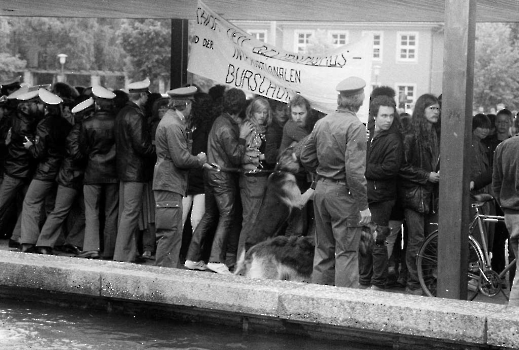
(226,147)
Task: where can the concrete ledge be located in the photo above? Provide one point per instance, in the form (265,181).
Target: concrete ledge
(503,328)
(450,321)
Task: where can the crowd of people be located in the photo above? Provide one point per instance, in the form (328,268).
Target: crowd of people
(116,175)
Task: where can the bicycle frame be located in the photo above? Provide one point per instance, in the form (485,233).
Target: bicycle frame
(478,220)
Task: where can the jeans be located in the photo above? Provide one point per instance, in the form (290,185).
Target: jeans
(419,227)
(94,194)
(219,206)
(9,189)
(130,206)
(337,239)
(168,224)
(32,209)
(373,267)
(52,228)
(252,190)
(512,224)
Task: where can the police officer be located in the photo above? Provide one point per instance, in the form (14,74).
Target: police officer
(133,147)
(174,159)
(336,151)
(100,185)
(48,148)
(70,183)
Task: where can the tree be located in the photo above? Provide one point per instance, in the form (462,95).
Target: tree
(496,67)
(319,43)
(9,64)
(148,45)
(91,44)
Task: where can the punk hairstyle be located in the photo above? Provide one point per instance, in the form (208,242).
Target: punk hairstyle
(381,100)
(382,91)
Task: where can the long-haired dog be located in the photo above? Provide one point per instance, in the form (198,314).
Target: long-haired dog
(279,258)
(285,258)
(281,197)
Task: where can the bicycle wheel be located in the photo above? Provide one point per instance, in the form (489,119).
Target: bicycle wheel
(427,266)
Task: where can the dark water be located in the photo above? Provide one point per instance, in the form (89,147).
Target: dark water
(38,326)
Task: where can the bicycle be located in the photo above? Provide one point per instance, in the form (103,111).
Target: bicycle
(481,278)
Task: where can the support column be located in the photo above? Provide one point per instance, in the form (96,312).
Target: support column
(179,48)
(456,137)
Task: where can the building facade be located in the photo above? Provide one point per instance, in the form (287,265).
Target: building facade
(406,56)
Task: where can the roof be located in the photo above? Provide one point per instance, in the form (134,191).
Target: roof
(262,10)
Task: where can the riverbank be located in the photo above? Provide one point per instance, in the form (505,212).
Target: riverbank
(364,316)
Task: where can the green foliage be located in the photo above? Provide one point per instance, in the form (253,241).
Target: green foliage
(148,45)
(8,65)
(319,43)
(496,66)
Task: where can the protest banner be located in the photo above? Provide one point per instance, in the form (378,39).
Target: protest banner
(228,55)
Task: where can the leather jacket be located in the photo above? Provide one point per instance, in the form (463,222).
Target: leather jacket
(49,146)
(18,162)
(133,144)
(73,166)
(97,144)
(385,154)
(225,148)
(416,191)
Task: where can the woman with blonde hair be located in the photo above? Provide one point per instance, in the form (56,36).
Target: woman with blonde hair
(253,182)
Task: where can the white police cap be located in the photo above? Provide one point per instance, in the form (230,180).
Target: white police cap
(19,92)
(48,97)
(101,92)
(184,93)
(83,105)
(139,86)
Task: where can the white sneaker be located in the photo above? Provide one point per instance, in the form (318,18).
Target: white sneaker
(199,265)
(220,268)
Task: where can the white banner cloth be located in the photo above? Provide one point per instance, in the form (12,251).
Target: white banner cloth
(228,55)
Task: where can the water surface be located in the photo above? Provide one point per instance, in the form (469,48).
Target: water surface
(38,326)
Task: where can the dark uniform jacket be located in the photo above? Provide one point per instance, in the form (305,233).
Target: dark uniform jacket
(18,162)
(174,158)
(384,157)
(416,191)
(49,146)
(97,144)
(73,166)
(133,144)
(225,148)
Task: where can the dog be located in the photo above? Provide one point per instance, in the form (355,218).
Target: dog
(281,197)
(268,255)
(287,258)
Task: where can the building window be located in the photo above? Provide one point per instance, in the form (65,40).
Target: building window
(338,37)
(406,95)
(302,38)
(407,47)
(377,44)
(261,35)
